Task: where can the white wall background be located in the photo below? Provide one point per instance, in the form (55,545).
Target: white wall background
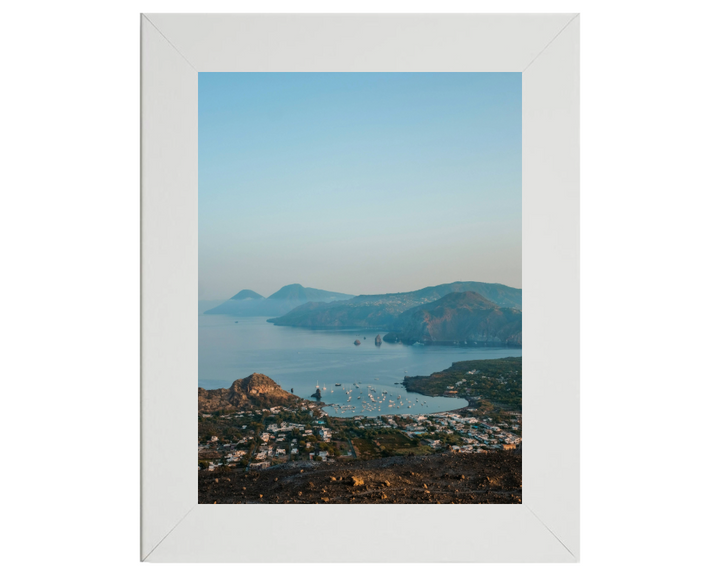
(69,230)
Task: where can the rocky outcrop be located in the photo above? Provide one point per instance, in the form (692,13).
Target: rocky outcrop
(255,391)
(357,342)
(447,478)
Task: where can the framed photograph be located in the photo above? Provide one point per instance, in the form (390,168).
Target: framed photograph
(360,288)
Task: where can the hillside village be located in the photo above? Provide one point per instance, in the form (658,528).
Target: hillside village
(259,439)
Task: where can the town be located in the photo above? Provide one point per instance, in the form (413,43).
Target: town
(263,438)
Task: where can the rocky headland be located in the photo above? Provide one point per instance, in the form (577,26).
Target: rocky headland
(255,391)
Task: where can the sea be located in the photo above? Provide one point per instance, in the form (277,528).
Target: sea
(364,380)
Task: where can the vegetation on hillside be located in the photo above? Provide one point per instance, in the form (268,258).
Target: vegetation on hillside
(498,382)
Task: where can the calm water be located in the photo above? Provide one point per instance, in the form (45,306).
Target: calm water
(298,358)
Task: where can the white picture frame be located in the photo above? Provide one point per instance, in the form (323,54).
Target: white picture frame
(545,49)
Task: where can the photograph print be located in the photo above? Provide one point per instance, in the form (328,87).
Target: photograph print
(360,288)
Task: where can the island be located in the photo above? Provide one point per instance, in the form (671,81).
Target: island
(248,303)
(459,313)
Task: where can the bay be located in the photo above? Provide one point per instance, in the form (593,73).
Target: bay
(300,359)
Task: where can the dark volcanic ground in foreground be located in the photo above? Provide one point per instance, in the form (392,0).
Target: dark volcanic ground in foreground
(489,478)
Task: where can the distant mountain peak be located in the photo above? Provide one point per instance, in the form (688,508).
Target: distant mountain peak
(290,292)
(303,294)
(466,317)
(247,294)
(250,303)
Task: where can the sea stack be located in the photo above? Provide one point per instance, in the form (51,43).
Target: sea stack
(378,340)
(317,394)
(357,342)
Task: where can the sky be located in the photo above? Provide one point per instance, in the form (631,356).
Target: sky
(362,183)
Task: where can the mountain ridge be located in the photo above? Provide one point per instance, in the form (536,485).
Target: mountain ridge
(249,303)
(382,310)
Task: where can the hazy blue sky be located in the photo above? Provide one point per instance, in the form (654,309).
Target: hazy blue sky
(358,183)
